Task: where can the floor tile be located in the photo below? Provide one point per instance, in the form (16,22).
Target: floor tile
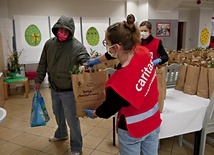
(58,148)
(106,146)
(9,134)
(8,148)
(23,139)
(100,153)
(25,151)
(39,143)
(91,142)
(18,138)
(99,132)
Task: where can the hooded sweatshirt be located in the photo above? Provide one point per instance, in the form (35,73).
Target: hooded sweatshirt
(59,57)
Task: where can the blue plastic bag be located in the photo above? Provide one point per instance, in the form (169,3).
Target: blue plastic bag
(39,114)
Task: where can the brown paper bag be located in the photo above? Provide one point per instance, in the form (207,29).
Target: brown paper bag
(181,78)
(211,80)
(174,57)
(191,84)
(202,89)
(104,65)
(88,90)
(160,72)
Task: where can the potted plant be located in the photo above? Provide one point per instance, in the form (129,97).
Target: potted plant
(13,66)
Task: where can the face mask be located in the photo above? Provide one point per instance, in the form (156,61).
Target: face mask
(144,35)
(61,36)
(114,55)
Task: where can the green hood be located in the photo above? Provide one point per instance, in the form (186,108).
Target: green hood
(64,22)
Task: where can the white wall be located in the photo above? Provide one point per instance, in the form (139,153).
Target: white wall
(143,10)
(6,29)
(132,8)
(185,16)
(155,14)
(194,24)
(195,20)
(205,21)
(3,9)
(75,8)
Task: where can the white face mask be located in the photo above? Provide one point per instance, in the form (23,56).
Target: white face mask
(144,35)
(114,55)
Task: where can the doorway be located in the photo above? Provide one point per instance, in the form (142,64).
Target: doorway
(181,35)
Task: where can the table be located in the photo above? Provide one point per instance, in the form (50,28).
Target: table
(18,80)
(182,114)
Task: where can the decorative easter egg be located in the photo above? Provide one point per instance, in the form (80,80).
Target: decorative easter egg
(204,36)
(92,36)
(33,35)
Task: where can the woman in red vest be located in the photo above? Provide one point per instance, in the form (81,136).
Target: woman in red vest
(154,45)
(131,91)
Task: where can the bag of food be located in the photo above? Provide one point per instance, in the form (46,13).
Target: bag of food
(202,89)
(161,78)
(181,78)
(39,114)
(88,90)
(191,84)
(211,80)
(106,64)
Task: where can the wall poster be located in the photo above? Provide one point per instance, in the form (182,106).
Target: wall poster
(163,29)
(31,34)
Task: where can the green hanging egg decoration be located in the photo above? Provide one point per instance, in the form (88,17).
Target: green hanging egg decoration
(92,36)
(33,35)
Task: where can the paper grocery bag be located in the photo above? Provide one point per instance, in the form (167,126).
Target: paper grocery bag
(104,65)
(202,89)
(160,72)
(181,78)
(211,81)
(191,84)
(88,90)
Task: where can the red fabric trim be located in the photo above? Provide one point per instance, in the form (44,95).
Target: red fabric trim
(153,47)
(144,127)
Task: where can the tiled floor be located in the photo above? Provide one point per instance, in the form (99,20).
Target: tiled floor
(18,138)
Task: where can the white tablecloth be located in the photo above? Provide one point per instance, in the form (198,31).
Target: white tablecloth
(182,113)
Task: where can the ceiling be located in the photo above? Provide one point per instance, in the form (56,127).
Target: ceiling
(169,5)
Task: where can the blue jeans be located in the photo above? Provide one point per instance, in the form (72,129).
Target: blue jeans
(64,109)
(147,145)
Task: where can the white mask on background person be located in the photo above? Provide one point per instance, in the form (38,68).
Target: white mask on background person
(144,35)
(113,55)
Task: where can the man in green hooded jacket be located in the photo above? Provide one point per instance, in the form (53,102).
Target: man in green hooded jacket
(59,55)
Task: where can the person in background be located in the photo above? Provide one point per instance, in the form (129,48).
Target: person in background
(154,45)
(59,55)
(138,123)
(211,45)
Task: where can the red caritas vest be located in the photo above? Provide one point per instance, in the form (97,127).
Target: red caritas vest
(153,48)
(137,84)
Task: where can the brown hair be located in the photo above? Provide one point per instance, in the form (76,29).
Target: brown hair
(147,24)
(125,33)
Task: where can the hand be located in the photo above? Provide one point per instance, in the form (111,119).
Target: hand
(92,62)
(36,86)
(157,61)
(89,113)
